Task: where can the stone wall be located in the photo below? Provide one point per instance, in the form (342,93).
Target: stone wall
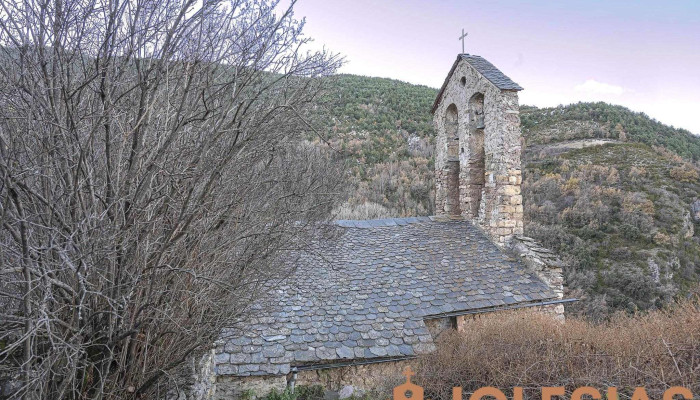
(354,379)
(196,380)
(544,263)
(378,377)
(437,326)
(555,310)
(233,387)
(498,207)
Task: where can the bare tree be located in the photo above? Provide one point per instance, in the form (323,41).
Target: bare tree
(153,173)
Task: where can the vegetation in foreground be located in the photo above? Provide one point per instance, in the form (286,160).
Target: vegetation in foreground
(654,350)
(153,181)
(305,392)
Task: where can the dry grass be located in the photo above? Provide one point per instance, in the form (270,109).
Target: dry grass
(655,350)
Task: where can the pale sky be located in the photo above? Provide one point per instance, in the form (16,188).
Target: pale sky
(641,54)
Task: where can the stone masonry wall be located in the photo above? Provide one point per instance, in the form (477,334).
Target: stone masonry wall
(378,377)
(501,210)
(544,263)
(197,380)
(232,387)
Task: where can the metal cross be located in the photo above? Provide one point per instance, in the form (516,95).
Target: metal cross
(462,39)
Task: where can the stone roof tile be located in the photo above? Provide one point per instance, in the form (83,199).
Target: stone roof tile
(365,294)
(485,68)
(490,72)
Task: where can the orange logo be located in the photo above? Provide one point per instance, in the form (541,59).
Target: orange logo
(411,391)
(408,390)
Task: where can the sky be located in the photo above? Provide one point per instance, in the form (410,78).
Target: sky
(641,54)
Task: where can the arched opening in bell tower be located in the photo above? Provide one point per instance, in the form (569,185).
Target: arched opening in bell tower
(477,153)
(452,164)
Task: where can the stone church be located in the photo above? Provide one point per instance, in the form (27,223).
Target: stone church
(377,296)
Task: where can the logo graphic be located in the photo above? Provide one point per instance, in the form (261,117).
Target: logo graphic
(408,390)
(411,391)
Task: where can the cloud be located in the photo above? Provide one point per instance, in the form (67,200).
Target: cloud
(594,87)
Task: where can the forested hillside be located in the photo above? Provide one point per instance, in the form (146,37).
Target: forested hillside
(609,189)
(385,128)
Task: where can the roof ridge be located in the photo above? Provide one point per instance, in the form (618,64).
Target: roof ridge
(483,67)
(380,222)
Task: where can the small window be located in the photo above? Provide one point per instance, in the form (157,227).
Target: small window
(463,81)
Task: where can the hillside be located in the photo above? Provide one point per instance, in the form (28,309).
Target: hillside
(609,189)
(385,128)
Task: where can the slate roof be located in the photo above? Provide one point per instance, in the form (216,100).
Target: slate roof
(365,294)
(485,68)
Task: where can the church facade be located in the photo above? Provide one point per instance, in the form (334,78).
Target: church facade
(361,306)
(477,165)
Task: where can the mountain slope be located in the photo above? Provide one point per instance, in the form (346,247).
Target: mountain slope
(621,218)
(385,128)
(609,189)
(602,120)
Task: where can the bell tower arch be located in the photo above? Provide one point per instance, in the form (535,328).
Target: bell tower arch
(452,169)
(477,164)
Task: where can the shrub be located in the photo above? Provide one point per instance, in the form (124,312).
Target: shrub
(571,185)
(685,173)
(365,210)
(528,349)
(662,239)
(301,392)
(636,174)
(283,395)
(305,392)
